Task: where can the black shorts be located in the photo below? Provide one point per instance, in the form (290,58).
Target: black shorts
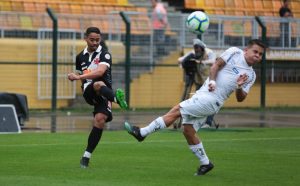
(100,103)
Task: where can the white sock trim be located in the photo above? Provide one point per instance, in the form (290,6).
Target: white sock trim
(199,152)
(87,154)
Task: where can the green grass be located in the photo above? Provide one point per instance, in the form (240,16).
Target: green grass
(242,156)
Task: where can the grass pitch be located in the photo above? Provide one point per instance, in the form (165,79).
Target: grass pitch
(243,156)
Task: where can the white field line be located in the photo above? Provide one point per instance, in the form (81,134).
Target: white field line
(150,141)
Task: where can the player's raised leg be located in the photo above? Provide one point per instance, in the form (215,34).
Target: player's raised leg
(117,97)
(134,131)
(120,96)
(157,124)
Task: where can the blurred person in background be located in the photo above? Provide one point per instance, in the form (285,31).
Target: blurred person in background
(196,64)
(159,25)
(285,12)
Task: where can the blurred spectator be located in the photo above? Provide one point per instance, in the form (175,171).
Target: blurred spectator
(159,24)
(196,64)
(285,12)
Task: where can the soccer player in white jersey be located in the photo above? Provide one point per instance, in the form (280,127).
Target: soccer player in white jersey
(231,72)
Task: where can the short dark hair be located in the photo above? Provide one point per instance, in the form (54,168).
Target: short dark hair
(92,30)
(256,42)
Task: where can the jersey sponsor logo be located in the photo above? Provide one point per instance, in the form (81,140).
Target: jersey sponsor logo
(84,68)
(109,105)
(235,70)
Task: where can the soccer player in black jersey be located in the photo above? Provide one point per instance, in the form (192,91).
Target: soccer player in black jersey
(93,66)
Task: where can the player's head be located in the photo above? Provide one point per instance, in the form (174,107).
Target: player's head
(92,37)
(254,51)
(153,2)
(199,47)
(285,3)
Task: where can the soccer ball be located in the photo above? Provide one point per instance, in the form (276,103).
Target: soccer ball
(197,22)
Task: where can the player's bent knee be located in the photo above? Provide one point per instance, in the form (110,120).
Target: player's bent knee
(97,85)
(99,120)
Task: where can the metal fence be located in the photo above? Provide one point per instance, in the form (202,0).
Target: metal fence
(282,35)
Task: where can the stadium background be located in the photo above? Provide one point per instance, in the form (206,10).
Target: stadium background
(156,81)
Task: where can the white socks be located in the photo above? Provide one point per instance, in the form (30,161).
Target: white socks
(155,125)
(87,154)
(199,151)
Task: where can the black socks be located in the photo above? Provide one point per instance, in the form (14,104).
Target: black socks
(94,138)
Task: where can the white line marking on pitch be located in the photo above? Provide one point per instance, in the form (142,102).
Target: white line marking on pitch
(150,141)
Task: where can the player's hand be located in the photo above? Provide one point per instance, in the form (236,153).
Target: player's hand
(73,77)
(242,79)
(211,85)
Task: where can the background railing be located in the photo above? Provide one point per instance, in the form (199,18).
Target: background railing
(22,47)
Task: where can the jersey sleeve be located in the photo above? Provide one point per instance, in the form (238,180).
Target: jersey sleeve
(229,53)
(105,58)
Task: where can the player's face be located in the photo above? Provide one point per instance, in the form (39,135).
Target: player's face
(153,2)
(93,41)
(253,54)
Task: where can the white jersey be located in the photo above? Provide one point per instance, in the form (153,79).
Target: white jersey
(226,80)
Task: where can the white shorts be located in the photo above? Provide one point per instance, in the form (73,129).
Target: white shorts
(195,110)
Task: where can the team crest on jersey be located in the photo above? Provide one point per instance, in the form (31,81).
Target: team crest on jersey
(96,61)
(107,56)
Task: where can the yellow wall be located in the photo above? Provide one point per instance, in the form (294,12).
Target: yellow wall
(164,86)
(279,94)
(161,88)
(151,90)
(23,79)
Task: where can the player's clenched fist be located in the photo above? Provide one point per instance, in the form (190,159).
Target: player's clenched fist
(73,77)
(211,85)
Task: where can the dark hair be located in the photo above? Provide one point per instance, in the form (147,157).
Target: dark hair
(92,30)
(256,42)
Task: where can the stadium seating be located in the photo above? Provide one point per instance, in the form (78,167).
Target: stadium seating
(63,7)
(241,7)
(12,10)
